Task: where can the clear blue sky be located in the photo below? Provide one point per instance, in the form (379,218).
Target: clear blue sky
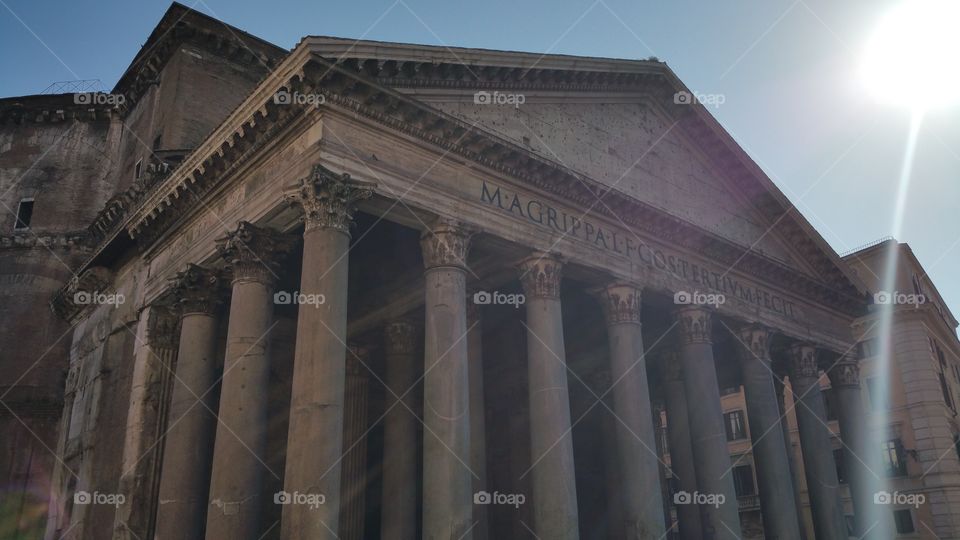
(786,68)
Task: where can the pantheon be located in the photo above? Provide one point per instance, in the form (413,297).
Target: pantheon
(362,289)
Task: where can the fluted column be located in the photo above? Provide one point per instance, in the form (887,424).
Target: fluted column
(447,477)
(819,467)
(238,466)
(478,431)
(353,485)
(185,473)
(636,441)
(777,504)
(870,520)
(709,440)
(681,446)
(551,440)
(157,335)
(399,502)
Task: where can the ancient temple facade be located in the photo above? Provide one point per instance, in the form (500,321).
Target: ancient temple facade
(380,290)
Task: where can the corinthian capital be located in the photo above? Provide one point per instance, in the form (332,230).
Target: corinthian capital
(328,199)
(694,324)
(446,243)
(846,372)
(621,303)
(252,252)
(400,337)
(540,275)
(163,326)
(670,366)
(197,290)
(754,343)
(803,363)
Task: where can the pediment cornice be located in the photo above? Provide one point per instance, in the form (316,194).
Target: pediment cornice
(347,87)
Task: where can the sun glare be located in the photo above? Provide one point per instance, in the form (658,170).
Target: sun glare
(912,58)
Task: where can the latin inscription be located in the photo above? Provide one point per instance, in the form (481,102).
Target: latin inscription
(628,245)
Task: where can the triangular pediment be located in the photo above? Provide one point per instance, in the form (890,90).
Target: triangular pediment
(631,147)
(597,117)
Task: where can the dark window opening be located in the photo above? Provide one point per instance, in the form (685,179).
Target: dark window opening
(743,480)
(838,461)
(904,521)
(137,169)
(735,425)
(24,215)
(894,459)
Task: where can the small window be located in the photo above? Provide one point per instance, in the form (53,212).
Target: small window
(838,461)
(904,521)
(736,429)
(137,169)
(743,480)
(157,141)
(894,460)
(24,214)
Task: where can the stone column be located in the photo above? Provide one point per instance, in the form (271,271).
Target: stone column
(191,425)
(778,386)
(447,477)
(777,504)
(315,436)
(551,448)
(705,413)
(819,467)
(398,519)
(353,485)
(238,456)
(681,446)
(478,429)
(611,460)
(636,440)
(845,380)
(153,358)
